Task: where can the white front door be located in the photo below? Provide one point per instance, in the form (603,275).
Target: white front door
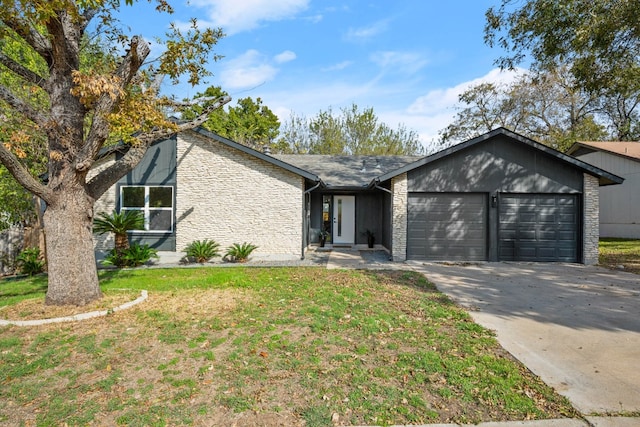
(344,219)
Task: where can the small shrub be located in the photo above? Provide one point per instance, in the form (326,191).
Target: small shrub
(135,256)
(29,261)
(239,252)
(203,250)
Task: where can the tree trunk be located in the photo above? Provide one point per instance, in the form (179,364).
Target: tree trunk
(73,276)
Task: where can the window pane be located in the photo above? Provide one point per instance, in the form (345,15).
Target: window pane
(137,210)
(160,197)
(133,197)
(160,220)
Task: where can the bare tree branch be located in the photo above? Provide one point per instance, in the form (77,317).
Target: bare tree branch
(22,175)
(105,179)
(32,36)
(23,72)
(99,131)
(32,114)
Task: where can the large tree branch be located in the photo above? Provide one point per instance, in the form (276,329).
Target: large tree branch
(29,34)
(36,116)
(21,71)
(109,176)
(22,175)
(99,131)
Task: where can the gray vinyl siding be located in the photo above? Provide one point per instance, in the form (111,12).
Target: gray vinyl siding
(157,168)
(495,167)
(619,213)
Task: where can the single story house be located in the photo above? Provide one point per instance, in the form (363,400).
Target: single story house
(619,204)
(497,197)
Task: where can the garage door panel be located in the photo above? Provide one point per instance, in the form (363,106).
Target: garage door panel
(447,226)
(538,227)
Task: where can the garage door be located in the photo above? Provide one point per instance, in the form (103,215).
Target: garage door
(538,227)
(447,226)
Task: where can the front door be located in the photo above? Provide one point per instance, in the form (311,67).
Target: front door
(344,219)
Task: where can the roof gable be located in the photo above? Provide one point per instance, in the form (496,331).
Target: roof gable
(605,178)
(627,149)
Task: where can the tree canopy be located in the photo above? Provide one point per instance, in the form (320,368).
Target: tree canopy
(249,122)
(547,107)
(352,132)
(598,40)
(70,106)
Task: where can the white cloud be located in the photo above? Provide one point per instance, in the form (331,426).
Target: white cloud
(235,16)
(285,56)
(339,66)
(434,111)
(368,32)
(406,62)
(249,70)
(446,98)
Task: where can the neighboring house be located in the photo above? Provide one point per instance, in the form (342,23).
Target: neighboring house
(497,197)
(620,204)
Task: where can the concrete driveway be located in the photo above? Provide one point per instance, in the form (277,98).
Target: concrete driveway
(576,327)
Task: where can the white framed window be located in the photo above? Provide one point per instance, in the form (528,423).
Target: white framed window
(155,201)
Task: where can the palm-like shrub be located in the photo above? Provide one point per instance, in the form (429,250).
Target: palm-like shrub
(30,262)
(134,256)
(239,252)
(203,250)
(119,224)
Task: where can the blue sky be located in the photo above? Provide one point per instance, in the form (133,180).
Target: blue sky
(408,59)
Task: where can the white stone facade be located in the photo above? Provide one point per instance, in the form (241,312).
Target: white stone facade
(399,222)
(591,220)
(231,197)
(106,203)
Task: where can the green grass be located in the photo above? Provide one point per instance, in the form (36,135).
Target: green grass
(620,252)
(244,343)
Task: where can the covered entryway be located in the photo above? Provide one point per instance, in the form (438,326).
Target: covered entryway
(538,227)
(447,226)
(344,219)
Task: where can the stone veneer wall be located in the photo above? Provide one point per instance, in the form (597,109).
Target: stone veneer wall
(591,220)
(231,197)
(399,221)
(106,203)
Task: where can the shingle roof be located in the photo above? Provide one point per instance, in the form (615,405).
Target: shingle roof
(622,148)
(346,171)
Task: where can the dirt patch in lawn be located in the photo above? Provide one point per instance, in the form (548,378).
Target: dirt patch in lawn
(282,348)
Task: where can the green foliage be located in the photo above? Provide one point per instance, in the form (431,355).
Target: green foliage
(547,107)
(203,250)
(249,123)
(598,40)
(134,256)
(30,261)
(119,224)
(352,132)
(239,252)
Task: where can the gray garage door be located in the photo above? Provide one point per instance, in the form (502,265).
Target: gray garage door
(447,226)
(538,227)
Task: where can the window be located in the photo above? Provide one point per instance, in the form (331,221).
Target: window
(156,202)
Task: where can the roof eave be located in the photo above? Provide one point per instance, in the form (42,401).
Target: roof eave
(605,178)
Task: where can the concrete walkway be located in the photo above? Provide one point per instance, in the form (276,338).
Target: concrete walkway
(577,327)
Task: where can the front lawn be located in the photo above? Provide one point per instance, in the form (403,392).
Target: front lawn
(620,254)
(261,346)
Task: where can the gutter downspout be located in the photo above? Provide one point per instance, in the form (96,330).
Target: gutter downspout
(304,216)
(377,187)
